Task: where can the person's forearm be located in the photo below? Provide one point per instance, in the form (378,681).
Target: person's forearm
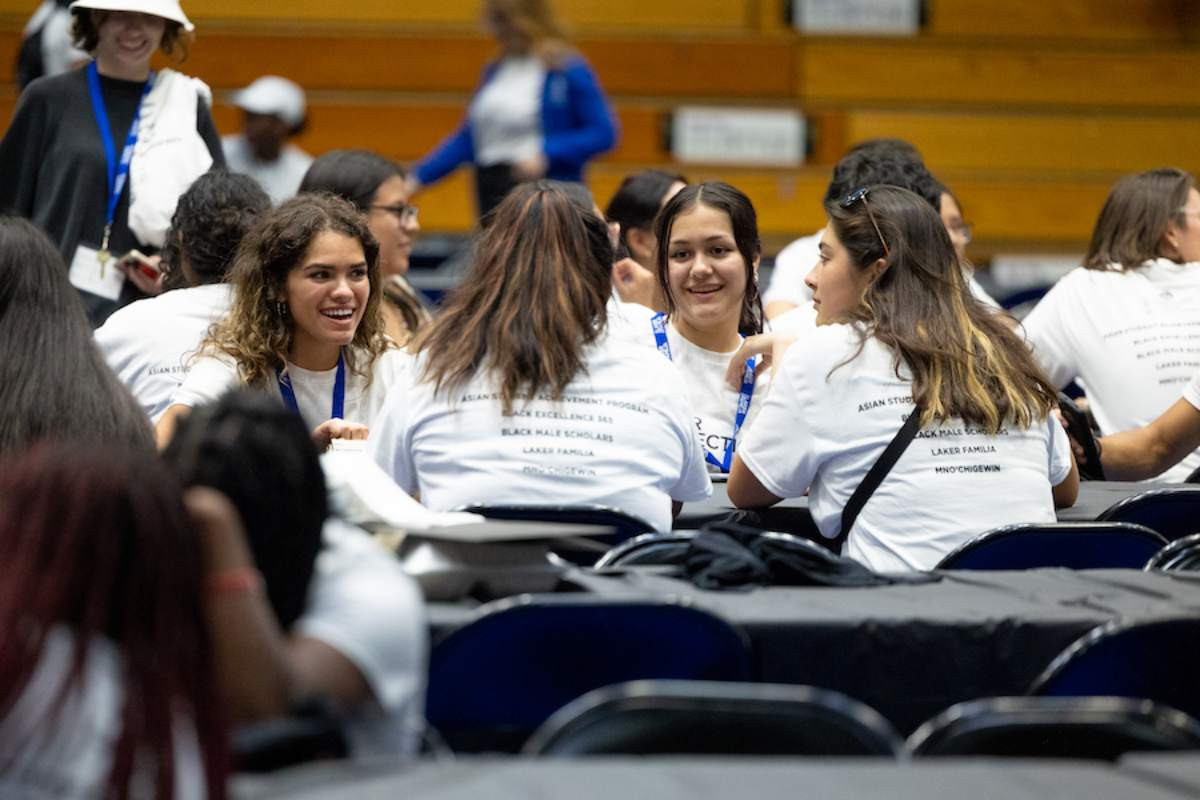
(1148,451)
(1135,455)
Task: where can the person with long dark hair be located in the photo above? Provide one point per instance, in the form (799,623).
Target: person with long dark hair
(305,325)
(54,383)
(378,187)
(707,267)
(899,334)
(107,681)
(521,395)
(1125,324)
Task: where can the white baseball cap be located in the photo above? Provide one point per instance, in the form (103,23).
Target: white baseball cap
(271,94)
(167,9)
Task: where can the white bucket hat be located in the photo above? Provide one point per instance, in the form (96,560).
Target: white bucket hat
(271,94)
(167,9)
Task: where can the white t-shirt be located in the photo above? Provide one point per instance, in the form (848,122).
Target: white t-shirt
(621,436)
(713,403)
(1131,339)
(793,263)
(363,605)
(280,178)
(212,376)
(149,343)
(824,430)
(506,114)
(1191,392)
(42,758)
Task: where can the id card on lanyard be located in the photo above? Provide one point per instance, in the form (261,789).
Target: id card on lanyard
(338,409)
(659,324)
(116,169)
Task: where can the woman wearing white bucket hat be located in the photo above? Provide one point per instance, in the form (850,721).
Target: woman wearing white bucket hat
(98,157)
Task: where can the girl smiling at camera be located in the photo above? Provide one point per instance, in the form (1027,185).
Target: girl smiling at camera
(708,270)
(305,323)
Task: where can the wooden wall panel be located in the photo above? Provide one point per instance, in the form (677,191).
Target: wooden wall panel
(1161,20)
(857,72)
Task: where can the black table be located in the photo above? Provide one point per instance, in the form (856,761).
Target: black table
(792,516)
(910,651)
(712,778)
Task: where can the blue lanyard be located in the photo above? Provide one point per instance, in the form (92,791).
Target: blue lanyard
(659,324)
(117,171)
(339,390)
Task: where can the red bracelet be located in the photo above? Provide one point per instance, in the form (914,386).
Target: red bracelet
(238,579)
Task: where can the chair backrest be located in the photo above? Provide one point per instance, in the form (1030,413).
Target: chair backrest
(1073,545)
(494,680)
(583,552)
(625,525)
(1055,727)
(1181,554)
(647,549)
(1174,512)
(698,717)
(1156,660)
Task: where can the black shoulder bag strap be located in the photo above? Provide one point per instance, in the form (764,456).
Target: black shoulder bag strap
(887,459)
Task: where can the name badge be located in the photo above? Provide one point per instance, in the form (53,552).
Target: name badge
(89,275)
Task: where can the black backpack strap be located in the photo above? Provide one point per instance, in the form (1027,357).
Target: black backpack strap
(880,469)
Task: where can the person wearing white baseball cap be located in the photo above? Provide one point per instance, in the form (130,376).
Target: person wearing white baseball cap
(273,110)
(98,157)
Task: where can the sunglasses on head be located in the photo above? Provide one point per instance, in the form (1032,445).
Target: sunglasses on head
(861,194)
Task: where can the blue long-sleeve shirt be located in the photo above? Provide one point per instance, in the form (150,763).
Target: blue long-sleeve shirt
(577,124)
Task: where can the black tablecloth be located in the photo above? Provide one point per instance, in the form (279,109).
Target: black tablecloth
(710,779)
(910,651)
(792,516)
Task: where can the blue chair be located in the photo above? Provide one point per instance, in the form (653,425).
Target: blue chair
(649,549)
(1156,660)
(701,717)
(1055,727)
(1073,545)
(1180,555)
(494,680)
(1173,512)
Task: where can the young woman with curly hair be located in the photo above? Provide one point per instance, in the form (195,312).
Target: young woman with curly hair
(305,323)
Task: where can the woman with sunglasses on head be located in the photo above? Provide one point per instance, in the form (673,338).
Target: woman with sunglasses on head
(521,394)
(707,264)
(378,187)
(902,350)
(1125,325)
(305,323)
(98,157)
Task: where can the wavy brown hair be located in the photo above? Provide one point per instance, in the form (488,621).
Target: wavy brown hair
(965,361)
(533,299)
(257,332)
(1131,226)
(744,222)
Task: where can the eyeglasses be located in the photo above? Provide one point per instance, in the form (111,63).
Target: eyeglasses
(405,212)
(861,194)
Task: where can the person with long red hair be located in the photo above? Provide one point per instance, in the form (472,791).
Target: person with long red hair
(106,667)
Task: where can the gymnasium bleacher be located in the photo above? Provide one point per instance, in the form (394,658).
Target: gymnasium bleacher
(1029,110)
